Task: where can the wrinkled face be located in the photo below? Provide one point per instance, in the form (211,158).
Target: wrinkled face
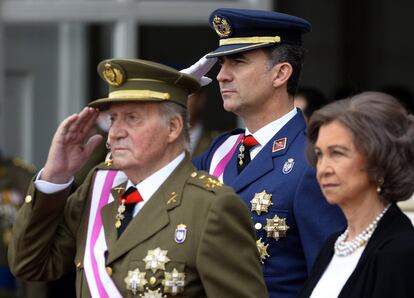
(138,136)
(340,168)
(245,81)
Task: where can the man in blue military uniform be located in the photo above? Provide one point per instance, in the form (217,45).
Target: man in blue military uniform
(261,58)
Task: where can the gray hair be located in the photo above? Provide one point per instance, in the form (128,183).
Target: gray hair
(383,133)
(170,110)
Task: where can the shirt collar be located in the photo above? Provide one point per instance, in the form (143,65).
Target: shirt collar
(150,185)
(267,132)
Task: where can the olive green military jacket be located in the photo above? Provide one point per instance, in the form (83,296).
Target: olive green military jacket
(218,257)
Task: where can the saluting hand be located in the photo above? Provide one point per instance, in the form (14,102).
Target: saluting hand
(70,148)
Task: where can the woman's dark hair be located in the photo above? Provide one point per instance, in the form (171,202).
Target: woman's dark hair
(383,132)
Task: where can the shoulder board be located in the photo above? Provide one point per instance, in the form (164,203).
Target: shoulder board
(205,181)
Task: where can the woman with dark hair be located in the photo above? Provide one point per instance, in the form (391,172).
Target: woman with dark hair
(363,151)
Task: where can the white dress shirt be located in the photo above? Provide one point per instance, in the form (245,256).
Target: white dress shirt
(146,187)
(267,132)
(336,275)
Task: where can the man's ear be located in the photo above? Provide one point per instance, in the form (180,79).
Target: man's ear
(176,125)
(281,73)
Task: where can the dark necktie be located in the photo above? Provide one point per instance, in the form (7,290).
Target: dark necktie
(243,158)
(128,201)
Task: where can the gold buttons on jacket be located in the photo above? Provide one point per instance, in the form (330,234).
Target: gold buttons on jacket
(28,199)
(152,280)
(78,265)
(108,270)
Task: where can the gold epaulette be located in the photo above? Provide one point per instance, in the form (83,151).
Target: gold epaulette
(205,180)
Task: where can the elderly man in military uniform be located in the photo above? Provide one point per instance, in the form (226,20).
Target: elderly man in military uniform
(261,58)
(145,223)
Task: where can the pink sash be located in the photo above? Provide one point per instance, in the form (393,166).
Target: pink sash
(99,282)
(223,155)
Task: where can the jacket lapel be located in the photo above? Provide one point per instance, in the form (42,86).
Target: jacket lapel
(152,217)
(262,163)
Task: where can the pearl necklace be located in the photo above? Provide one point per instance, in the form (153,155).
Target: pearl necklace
(345,248)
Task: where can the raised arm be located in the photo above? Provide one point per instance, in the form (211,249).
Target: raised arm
(70,147)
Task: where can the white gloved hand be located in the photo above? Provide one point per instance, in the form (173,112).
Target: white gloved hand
(200,68)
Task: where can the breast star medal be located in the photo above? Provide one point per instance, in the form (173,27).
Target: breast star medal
(261,202)
(174,282)
(276,227)
(152,294)
(156,259)
(262,248)
(135,281)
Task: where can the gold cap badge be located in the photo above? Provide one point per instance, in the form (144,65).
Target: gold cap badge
(222,27)
(113,75)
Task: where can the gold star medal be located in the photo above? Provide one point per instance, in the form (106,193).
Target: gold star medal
(262,248)
(156,259)
(152,294)
(135,281)
(174,282)
(261,202)
(276,227)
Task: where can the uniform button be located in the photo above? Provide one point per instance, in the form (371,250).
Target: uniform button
(152,280)
(28,199)
(78,265)
(194,174)
(258,226)
(108,270)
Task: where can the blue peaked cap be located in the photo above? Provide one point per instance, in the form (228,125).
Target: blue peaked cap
(243,30)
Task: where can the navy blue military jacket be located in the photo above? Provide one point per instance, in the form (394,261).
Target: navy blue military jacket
(294,227)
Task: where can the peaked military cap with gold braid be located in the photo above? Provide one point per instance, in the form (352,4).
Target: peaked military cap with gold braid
(137,80)
(243,30)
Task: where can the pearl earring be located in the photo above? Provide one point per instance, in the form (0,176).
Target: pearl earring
(380,183)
